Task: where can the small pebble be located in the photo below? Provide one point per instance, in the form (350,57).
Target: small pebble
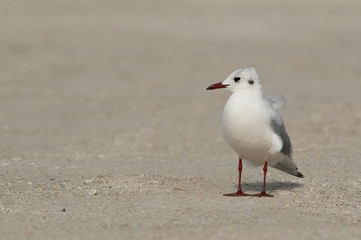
(93,192)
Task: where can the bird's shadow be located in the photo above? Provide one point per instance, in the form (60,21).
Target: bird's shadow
(271,186)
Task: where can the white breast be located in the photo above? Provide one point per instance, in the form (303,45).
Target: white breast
(246,128)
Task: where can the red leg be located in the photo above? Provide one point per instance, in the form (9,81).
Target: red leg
(263,193)
(239,193)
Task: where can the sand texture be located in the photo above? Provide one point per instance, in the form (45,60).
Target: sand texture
(107,132)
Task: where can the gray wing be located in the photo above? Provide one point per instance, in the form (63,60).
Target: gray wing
(279,128)
(286,165)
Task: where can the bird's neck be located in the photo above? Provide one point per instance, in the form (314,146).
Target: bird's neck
(248,93)
(244,102)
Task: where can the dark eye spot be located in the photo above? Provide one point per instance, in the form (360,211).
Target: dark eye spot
(250,82)
(236,79)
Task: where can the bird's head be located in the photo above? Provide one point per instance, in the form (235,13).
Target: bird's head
(241,79)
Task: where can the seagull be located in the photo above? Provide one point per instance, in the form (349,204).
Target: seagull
(253,127)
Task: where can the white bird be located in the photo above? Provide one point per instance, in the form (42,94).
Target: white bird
(253,128)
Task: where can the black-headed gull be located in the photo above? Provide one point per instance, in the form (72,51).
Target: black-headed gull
(253,128)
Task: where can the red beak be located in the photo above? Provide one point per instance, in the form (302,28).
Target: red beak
(216,85)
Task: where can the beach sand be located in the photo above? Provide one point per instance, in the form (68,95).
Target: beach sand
(106,130)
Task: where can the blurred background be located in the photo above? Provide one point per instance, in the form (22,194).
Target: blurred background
(105,87)
(125,80)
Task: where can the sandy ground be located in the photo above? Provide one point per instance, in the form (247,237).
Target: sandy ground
(106,129)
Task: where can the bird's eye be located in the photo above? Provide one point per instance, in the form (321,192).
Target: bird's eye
(236,79)
(250,82)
